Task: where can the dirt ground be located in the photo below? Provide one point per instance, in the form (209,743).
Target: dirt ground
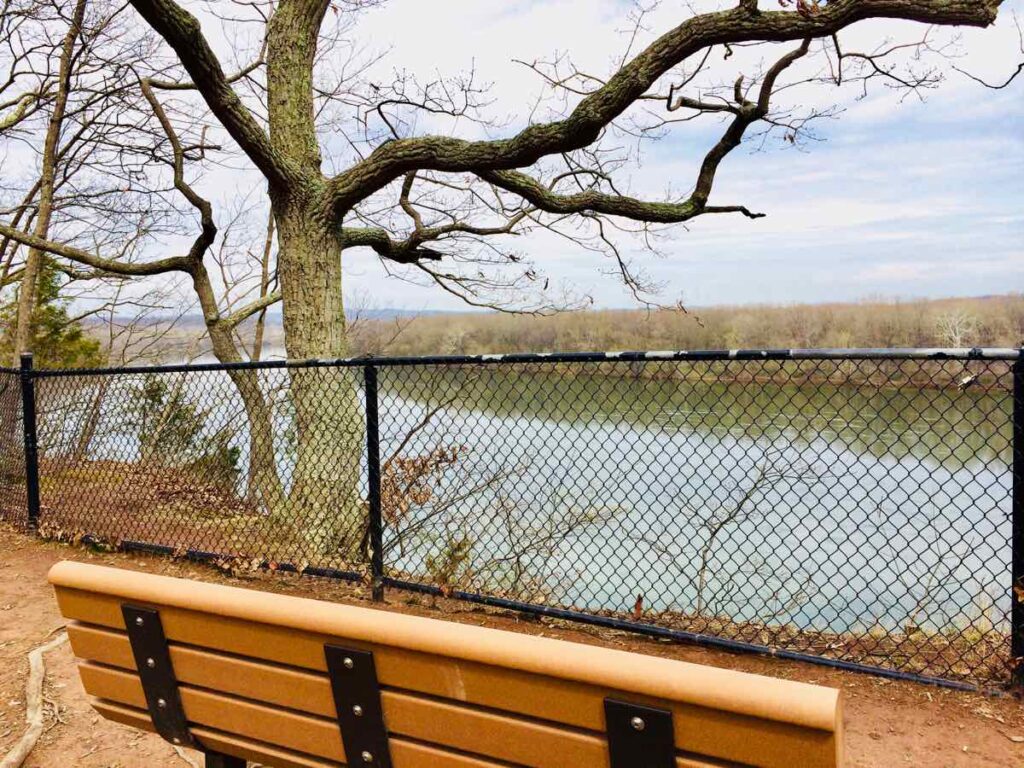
(889,723)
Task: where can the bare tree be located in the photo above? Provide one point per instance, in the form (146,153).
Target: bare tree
(47,179)
(77,158)
(956,328)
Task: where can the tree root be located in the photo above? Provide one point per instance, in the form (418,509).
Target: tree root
(34,701)
(33,704)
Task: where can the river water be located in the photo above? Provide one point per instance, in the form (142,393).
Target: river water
(825,507)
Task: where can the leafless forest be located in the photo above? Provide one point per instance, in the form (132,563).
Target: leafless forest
(991,321)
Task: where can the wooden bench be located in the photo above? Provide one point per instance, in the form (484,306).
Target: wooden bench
(291,682)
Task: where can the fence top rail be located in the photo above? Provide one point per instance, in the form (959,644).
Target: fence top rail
(976,353)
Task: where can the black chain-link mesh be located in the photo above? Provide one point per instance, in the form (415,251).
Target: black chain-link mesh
(209,461)
(13,504)
(852,509)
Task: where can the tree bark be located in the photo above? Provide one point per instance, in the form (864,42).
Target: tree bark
(263,471)
(33,262)
(325,503)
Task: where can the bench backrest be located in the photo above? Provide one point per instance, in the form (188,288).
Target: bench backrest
(271,678)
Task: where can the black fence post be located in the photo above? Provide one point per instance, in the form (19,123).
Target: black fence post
(373,479)
(1017,528)
(28,417)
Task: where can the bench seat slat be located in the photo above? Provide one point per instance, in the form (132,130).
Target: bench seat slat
(404,754)
(503,696)
(228,744)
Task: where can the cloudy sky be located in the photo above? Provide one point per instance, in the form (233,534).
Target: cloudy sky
(901,198)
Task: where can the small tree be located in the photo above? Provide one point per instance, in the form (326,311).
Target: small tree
(57,339)
(957,328)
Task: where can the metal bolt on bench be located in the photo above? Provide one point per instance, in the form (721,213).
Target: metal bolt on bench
(357,699)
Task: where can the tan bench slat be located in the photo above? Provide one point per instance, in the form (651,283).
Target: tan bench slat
(437,723)
(278,727)
(699,730)
(404,754)
(282,686)
(226,743)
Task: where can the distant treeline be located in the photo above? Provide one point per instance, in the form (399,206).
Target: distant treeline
(996,321)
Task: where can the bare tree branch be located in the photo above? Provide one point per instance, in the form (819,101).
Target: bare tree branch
(184,34)
(112,266)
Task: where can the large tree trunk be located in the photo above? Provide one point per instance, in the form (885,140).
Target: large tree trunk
(326,505)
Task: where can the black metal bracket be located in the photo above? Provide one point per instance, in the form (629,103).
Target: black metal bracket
(639,736)
(153,661)
(357,701)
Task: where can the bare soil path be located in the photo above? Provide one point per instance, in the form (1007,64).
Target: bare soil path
(889,724)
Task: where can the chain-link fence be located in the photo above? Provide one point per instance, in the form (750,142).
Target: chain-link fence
(13,485)
(857,508)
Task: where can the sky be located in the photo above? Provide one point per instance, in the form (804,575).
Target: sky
(900,198)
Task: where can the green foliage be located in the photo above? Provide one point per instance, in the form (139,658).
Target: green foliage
(169,426)
(57,340)
(172,432)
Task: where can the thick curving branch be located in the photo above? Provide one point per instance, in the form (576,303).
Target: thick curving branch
(243,313)
(19,110)
(208,229)
(411,250)
(593,201)
(583,126)
(106,265)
